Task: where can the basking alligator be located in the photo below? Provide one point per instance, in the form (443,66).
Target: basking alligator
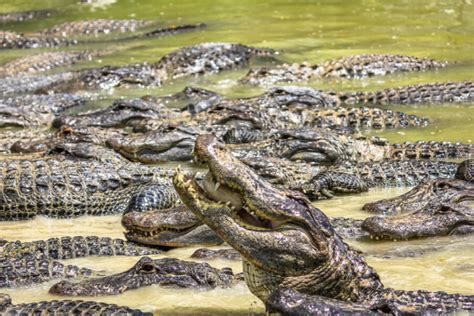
(357,66)
(286,242)
(169,272)
(65,307)
(69,187)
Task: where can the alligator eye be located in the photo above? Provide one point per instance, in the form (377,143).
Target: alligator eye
(147,268)
(443,185)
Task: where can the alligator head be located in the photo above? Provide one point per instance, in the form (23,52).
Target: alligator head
(458,190)
(165,272)
(169,143)
(175,227)
(434,219)
(282,238)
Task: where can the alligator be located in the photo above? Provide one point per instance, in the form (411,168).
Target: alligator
(15,17)
(34,84)
(67,247)
(96,27)
(457,190)
(325,147)
(168,272)
(43,62)
(191,60)
(433,219)
(36,110)
(29,270)
(319,182)
(288,302)
(65,307)
(66,34)
(71,187)
(357,66)
(14,40)
(179,227)
(286,242)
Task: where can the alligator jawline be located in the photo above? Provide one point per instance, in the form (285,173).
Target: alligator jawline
(221,193)
(145,234)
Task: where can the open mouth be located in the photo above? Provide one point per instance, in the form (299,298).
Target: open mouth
(157,234)
(233,200)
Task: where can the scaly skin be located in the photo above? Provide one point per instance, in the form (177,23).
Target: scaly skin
(434,219)
(321,182)
(446,92)
(16,17)
(23,84)
(65,307)
(458,190)
(96,27)
(357,67)
(31,270)
(285,242)
(45,62)
(68,188)
(14,40)
(433,208)
(325,147)
(191,60)
(73,247)
(204,253)
(35,110)
(166,272)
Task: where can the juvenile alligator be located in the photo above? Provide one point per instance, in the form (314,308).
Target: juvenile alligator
(43,62)
(285,242)
(36,110)
(70,187)
(73,247)
(168,272)
(357,66)
(65,307)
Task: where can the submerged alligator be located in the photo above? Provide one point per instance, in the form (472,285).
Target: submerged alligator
(285,242)
(357,66)
(43,62)
(65,307)
(15,17)
(168,272)
(66,34)
(71,187)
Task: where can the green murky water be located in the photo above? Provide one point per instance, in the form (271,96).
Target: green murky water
(312,31)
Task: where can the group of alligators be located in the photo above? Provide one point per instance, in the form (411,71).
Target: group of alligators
(267,156)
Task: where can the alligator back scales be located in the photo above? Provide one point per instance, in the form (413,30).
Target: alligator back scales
(66,188)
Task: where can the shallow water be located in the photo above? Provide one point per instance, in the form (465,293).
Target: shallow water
(312,31)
